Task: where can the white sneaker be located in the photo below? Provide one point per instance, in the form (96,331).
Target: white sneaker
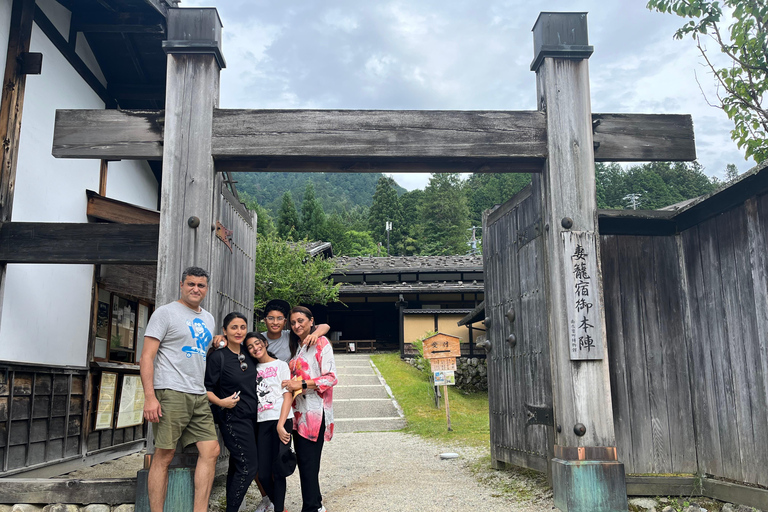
(265,505)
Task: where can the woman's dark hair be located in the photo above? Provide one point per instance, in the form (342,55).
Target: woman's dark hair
(232,316)
(261,337)
(228,320)
(294,339)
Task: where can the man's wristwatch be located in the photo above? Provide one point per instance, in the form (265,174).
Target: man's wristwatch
(303,384)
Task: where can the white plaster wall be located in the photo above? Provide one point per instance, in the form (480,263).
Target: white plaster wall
(46,309)
(5,27)
(132,181)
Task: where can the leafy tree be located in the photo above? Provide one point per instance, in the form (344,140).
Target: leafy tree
(288,219)
(312,216)
(484,190)
(658,184)
(358,243)
(410,203)
(386,207)
(264,223)
(444,216)
(731,173)
(745,43)
(286,271)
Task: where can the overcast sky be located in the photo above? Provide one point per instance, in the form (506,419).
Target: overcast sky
(459,54)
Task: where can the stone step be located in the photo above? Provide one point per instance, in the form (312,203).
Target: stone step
(364,391)
(364,409)
(369,425)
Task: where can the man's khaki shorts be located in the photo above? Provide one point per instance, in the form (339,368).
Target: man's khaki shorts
(185,417)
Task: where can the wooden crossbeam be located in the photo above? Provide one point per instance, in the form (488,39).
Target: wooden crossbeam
(78,243)
(112,210)
(372,140)
(88,21)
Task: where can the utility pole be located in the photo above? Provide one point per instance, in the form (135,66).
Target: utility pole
(634,200)
(388,228)
(473,241)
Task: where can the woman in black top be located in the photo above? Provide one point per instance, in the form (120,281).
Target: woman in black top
(230,378)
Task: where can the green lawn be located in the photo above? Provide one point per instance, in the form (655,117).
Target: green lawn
(469,413)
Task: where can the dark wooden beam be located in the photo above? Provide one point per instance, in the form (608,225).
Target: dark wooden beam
(371,141)
(12,103)
(78,243)
(636,222)
(68,51)
(137,92)
(89,21)
(109,134)
(112,210)
(112,491)
(643,137)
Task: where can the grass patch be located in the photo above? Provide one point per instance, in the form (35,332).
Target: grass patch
(469,412)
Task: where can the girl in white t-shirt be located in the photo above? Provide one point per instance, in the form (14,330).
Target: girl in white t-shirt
(274,411)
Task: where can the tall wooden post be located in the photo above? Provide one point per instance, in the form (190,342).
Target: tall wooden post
(586,475)
(187,197)
(192,92)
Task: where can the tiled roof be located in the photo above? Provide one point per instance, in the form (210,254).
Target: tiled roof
(381,289)
(373,264)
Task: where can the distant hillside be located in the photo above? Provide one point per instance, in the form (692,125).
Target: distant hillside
(337,192)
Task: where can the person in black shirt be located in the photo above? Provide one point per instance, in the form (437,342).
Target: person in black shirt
(230,379)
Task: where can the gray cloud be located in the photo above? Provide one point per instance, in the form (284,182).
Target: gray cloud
(451,54)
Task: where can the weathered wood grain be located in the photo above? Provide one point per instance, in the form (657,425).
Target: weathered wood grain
(581,390)
(112,210)
(642,138)
(78,243)
(12,104)
(112,491)
(109,134)
(366,140)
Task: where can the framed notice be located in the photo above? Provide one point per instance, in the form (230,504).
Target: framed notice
(581,294)
(106,404)
(445,378)
(131,410)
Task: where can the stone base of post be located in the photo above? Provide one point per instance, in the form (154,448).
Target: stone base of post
(589,486)
(181,491)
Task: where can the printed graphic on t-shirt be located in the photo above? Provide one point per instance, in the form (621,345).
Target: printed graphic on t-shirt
(202,337)
(268,395)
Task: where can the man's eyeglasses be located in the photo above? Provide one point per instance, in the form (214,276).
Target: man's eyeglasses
(243,364)
(275,318)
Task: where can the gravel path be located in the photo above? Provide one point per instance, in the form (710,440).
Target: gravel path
(396,472)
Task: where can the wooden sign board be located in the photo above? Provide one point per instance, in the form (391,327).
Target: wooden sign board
(441,346)
(443,364)
(586,340)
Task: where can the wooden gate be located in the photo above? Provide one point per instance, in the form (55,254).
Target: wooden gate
(232,256)
(519,379)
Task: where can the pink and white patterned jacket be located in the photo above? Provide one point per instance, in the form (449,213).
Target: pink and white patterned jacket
(314,363)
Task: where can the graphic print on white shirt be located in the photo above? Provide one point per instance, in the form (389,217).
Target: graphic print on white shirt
(269,390)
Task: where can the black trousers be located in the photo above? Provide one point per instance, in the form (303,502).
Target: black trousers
(308,462)
(269,446)
(240,439)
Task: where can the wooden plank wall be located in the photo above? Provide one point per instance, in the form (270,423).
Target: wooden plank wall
(519,374)
(725,266)
(41,414)
(646,335)
(232,272)
(687,323)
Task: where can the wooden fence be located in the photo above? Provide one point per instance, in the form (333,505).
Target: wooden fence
(686,308)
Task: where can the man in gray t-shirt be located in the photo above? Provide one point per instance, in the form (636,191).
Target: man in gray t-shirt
(175,399)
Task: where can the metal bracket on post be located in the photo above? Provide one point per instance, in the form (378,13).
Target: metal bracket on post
(540,415)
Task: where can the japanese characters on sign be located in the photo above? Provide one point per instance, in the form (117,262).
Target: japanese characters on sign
(443,364)
(441,345)
(581,291)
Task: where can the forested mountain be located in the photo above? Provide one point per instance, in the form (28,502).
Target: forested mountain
(336,192)
(352,210)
